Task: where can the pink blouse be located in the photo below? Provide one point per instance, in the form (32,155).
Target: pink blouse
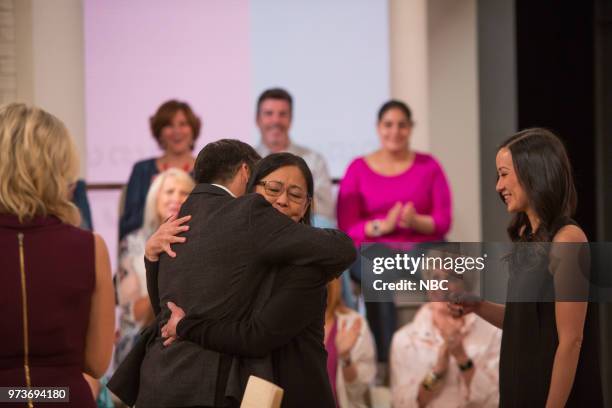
(366,195)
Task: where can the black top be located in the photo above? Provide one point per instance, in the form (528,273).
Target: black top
(232,246)
(289,327)
(529,344)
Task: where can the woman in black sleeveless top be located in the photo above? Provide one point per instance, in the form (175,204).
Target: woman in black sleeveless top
(550,348)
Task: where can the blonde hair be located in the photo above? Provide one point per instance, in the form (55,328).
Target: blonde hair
(38,163)
(151,219)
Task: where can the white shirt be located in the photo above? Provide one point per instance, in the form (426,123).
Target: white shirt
(363,357)
(224,188)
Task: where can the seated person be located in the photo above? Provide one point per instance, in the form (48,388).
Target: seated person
(169,190)
(351,355)
(175,128)
(439,360)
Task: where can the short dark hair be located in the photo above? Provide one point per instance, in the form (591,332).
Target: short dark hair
(165,113)
(395,104)
(274,162)
(219,161)
(544,171)
(275,93)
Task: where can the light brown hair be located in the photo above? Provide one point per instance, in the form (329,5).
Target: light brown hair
(165,113)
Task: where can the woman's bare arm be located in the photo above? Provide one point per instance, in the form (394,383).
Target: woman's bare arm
(570,318)
(100,332)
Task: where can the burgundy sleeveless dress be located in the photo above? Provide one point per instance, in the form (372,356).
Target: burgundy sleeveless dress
(47,278)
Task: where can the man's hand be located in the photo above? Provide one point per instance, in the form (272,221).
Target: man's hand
(168,331)
(165,235)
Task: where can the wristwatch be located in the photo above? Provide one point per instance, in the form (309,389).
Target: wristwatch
(467,365)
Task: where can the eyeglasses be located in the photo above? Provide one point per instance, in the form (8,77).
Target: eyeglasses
(276,188)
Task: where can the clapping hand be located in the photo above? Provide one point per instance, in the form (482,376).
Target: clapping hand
(390,222)
(165,235)
(407,214)
(346,337)
(451,331)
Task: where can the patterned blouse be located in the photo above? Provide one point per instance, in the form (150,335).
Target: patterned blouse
(414,351)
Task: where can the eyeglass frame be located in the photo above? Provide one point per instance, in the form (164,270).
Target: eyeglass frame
(307,197)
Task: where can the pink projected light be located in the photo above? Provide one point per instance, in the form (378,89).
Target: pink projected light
(140,53)
(143,52)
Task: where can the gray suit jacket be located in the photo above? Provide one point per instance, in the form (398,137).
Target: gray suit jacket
(232,245)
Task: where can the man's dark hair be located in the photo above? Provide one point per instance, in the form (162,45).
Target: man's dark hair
(275,93)
(219,161)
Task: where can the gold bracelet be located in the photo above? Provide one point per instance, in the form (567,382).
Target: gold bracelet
(431,380)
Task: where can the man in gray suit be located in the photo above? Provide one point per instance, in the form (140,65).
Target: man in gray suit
(231,245)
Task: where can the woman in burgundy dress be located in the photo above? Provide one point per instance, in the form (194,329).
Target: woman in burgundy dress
(56,295)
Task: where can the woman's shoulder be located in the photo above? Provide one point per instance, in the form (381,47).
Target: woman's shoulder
(142,172)
(357,164)
(78,232)
(568,230)
(79,242)
(99,242)
(427,160)
(145,165)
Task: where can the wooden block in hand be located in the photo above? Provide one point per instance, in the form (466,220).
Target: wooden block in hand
(260,393)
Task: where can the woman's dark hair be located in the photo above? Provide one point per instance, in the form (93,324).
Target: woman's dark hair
(544,172)
(395,104)
(274,162)
(165,113)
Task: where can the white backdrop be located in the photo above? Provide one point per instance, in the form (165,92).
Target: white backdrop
(333,56)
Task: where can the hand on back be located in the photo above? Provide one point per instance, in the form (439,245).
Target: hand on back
(166,234)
